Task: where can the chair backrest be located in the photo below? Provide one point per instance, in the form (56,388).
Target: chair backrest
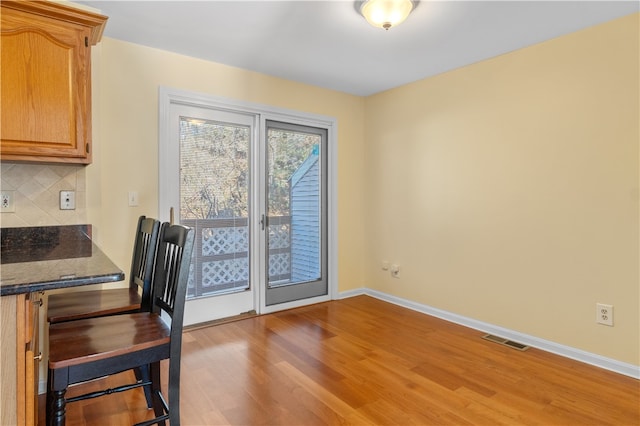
(144,254)
(175,246)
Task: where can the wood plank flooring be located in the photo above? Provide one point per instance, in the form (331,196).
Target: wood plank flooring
(362,361)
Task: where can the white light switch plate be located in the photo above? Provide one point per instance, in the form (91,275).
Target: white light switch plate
(133,198)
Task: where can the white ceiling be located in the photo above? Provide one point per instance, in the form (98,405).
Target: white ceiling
(328,44)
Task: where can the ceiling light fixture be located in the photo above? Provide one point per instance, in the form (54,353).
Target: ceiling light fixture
(385,13)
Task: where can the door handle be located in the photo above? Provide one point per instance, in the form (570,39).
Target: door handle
(263,221)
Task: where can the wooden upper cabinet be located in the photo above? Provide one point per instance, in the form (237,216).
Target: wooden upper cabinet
(46,81)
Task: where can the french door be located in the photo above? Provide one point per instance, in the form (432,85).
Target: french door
(255,189)
(212,154)
(296,213)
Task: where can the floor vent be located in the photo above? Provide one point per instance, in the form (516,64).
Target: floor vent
(505,342)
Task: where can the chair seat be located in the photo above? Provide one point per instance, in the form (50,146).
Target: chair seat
(87,304)
(89,340)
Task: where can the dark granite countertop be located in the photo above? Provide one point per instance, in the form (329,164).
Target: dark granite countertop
(48,257)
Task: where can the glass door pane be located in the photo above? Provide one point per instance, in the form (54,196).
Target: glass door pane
(214,199)
(296,219)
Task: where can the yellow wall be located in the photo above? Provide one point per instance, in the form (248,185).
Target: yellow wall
(508,190)
(126,81)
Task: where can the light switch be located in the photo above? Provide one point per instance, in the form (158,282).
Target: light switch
(133,198)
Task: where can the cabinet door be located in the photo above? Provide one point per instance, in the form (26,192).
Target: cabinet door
(10,358)
(45,94)
(32,358)
(19,359)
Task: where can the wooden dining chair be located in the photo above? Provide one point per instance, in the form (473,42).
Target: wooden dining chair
(87,349)
(69,306)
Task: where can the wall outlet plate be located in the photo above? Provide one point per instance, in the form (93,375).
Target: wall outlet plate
(395,270)
(67,200)
(604,314)
(7,202)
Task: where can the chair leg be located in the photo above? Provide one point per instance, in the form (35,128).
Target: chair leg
(156,390)
(56,408)
(50,406)
(49,403)
(143,375)
(174,391)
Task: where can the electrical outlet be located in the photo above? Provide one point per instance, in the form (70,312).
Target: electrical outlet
(6,202)
(67,200)
(395,271)
(604,314)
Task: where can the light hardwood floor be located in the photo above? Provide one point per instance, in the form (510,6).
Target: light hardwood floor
(363,361)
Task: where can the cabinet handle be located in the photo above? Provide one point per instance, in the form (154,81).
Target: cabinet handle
(38,302)
(38,358)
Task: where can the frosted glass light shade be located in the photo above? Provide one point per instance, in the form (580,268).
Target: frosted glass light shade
(386,13)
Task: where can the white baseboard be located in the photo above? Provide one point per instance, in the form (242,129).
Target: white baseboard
(545,345)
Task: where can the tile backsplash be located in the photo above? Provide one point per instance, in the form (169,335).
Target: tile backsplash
(37,194)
